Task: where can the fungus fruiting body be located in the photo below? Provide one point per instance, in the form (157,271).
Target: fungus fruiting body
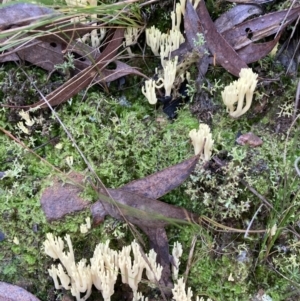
(103,269)
(238,95)
(202,141)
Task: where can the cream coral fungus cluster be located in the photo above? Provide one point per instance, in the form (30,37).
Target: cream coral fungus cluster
(238,95)
(103,270)
(167,81)
(95,36)
(176,253)
(131,35)
(202,141)
(162,44)
(179,293)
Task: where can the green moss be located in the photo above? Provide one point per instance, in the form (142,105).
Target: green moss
(122,144)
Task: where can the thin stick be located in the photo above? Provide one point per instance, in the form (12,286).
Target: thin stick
(261,197)
(297,98)
(252,220)
(191,254)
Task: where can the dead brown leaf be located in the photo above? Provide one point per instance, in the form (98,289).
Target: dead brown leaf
(142,211)
(160,183)
(236,15)
(256,51)
(63,198)
(192,29)
(44,55)
(21,14)
(258,28)
(86,76)
(134,203)
(218,46)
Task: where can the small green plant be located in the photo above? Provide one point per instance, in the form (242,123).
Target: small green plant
(200,40)
(191,90)
(218,194)
(214,88)
(67,64)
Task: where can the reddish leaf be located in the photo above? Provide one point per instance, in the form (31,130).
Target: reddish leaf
(236,15)
(42,54)
(9,292)
(61,198)
(255,29)
(257,51)
(20,14)
(160,183)
(142,211)
(121,70)
(218,46)
(85,77)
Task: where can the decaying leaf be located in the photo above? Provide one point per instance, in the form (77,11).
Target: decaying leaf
(255,51)
(122,69)
(44,55)
(160,183)
(236,15)
(86,76)
(20,14)
(191,28)
(258,28)
(146,211)
(138,194)
(225,54)
(137,204)
(63,198)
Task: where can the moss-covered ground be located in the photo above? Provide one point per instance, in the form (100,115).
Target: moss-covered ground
(124,138)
